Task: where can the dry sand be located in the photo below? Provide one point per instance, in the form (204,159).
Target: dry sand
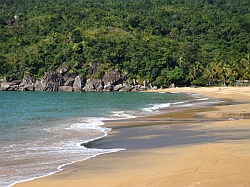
(214,151)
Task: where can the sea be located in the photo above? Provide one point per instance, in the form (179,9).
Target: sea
(40,132)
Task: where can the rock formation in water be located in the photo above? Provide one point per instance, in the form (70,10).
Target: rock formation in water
(65,80)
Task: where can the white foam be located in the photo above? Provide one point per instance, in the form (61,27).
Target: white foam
(63,147)
(122,115)
(89,123)
(156,107)
(202,99)
(60,168)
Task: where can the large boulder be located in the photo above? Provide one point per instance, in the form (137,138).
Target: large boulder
(118,87)
(112,78)
(28,83)
(108,87)
(50,82)
(10,86)
(93,85)
(28,88)
(27,80)
(15,83)
(100,86)
(69,81)
(77,86)
(65,88)
(4,86)
(126,88)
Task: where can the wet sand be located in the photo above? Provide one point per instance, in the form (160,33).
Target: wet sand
(190,147)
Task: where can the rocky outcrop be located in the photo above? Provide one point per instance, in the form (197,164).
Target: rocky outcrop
(50,82)
(112,78)
(9,86)
(126,88)
(93,85)
(118,87)
(108,87)
(65,80)
(28,83)
(77,85)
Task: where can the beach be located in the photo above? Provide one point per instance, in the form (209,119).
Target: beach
(189,147)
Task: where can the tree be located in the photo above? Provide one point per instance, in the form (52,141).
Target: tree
(244,68)
(195,71)
(176,76)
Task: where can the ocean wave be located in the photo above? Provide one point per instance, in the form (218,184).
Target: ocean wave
(58,146)
(122,115)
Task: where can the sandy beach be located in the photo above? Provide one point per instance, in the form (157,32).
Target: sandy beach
(187,148)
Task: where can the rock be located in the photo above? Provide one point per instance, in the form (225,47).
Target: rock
(100,87)
(108,88)
(89,86)
(172,85)
(92,85)
(50,82)
(118,87)
(127,88)
(63,70)
(15,82)
(5,86)
(113,78)
(77,86)
(69,81)
(65,88)
(13,88)
(27,83)
(139,88)
(27,80)
(28,88)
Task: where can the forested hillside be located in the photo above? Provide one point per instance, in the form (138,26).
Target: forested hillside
(162,41)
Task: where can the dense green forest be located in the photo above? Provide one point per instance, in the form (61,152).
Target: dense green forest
(162,41)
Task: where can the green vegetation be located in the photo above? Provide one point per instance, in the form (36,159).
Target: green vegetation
(162,41)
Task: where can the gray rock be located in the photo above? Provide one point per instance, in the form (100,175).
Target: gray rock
(172,85)
(65,88)
(77,86)
(113,78)
(5,86)
(50,82)
(118,87)
(27,80)
(28,88)
(108,88)
(126,88)
(90,86)
(15,83)
(27,83)
(100,87)
(63,70)
(69,81)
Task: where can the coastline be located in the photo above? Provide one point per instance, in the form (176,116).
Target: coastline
(197,153)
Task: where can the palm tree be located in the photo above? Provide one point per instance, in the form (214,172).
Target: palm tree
(195,71)
(210,73)
(244,68)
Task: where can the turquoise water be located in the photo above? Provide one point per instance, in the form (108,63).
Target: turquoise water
(43,131)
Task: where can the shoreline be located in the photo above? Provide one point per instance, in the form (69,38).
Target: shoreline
(191,147)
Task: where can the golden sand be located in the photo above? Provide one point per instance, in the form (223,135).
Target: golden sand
(218,162)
